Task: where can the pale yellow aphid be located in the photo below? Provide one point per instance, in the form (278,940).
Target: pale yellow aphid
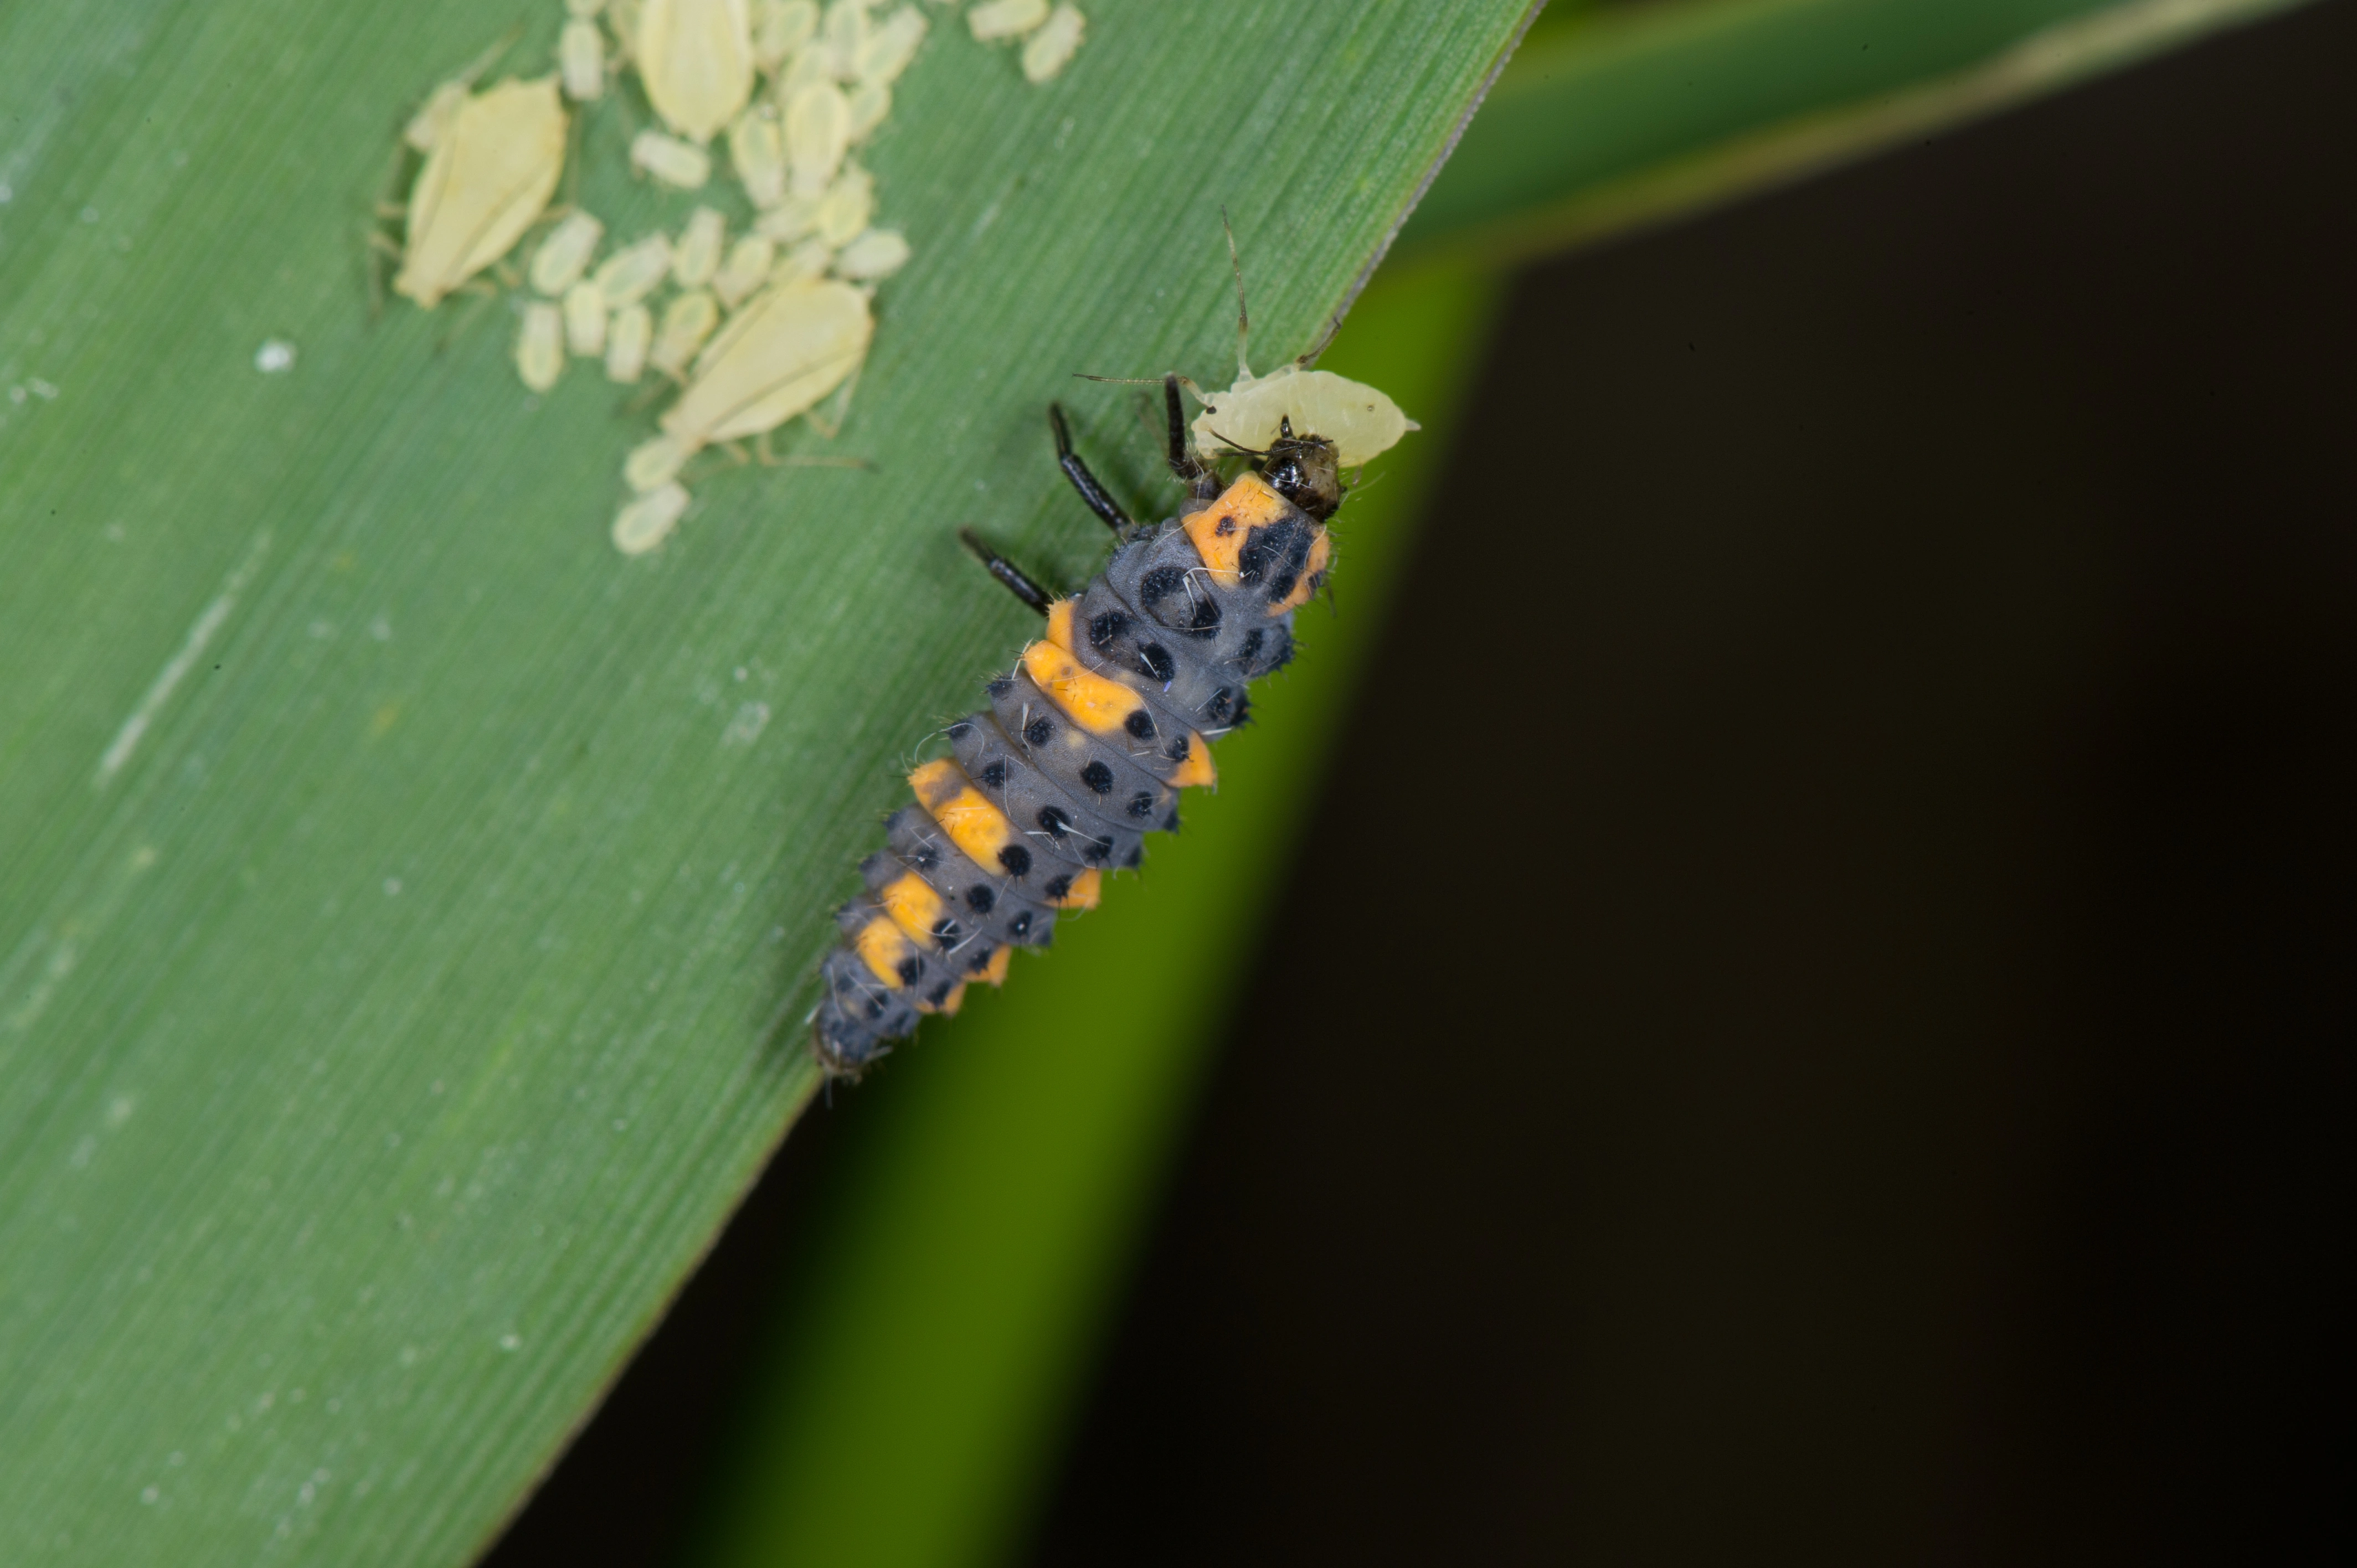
(996,19)
(654,462)
(1361,420)
(757,147)
(687,321)
(870,101)
(671,160)
(811,65)
(818,132)
(696,60)
(790,220)
(789,346)
(779,28)
(877,253)
(697,255)
(628,336)
(892,44)
(648,520)
(540,345)
(564,254)
(631,273)
(843,32)
(844,211)
(806,261)
(494,165)
(585,320)
(1045,51)
(747,269)
(581,59)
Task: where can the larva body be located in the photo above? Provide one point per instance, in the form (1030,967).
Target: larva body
(1085,743)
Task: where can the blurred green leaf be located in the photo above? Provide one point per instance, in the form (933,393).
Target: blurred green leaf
(407,905)
(1615,116)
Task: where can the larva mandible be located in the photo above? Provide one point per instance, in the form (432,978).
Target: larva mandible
(1087,741)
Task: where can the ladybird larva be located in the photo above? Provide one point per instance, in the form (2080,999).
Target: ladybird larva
(1087,741)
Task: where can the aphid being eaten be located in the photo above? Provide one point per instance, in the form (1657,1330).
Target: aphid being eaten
(1087,741)
(494,163)
(696,60)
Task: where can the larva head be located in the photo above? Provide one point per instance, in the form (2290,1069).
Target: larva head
(1303,469)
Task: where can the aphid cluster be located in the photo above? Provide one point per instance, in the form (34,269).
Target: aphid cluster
(757,325)
(1088,740)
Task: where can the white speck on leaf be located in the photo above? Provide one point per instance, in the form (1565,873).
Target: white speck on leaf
(275,356)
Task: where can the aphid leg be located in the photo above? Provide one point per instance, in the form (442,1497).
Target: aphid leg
(1094,494)
(1006,572)
(1325,340)
(831,428)
(1243,316)
(482,295)
(1192,471)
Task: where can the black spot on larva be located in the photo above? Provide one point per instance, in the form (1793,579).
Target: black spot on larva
(1094,851)
(1281,587)
(908,969)
(1021,925)
(1140,723)
(1176,750)
(1170,822)
(1155,659)
(1243,713)
(1248,649)
(1159,584)
(875,1005)
(1223,703)
(1037,731)
(1098,777)
(961,729)
(945,932)
(1104,627)
(980,898)
(1016,859)
(1226,526)
(1141,805)
(941,993)
(927,857)
(993,777)
(1055,819)
(1274,554)
(1000,685)
(1136,853)
(979,960)
(1055,888)
(1206,616)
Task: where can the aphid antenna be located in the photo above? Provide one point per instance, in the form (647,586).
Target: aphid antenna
(1192,389)
(1325,341)
(1243,316)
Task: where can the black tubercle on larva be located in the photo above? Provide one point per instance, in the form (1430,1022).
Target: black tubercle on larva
(1038,731)
(1057,886)
(1016,859)
(1021,924)
(1136,853)
(1141,805)
(1155,659)
(1056,821)
(1140,725)
(1105,626)
(993,777)
(1098,777)
(999,686)
(980,900)
(1176,750)
(1159,584)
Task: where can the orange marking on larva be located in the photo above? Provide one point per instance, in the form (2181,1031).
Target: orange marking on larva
(949,1004)
(914,907)
(1098,705)
(995,970)
(1198,768)
(1218,530)
(1060,623)
(973,824)
(1084,890)
(1321,552)
(883,947)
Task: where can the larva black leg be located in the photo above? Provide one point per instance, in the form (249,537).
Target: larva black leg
(1100,501)
(1006,572)
(1192,471)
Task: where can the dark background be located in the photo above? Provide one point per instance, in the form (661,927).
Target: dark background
(1846,1062)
